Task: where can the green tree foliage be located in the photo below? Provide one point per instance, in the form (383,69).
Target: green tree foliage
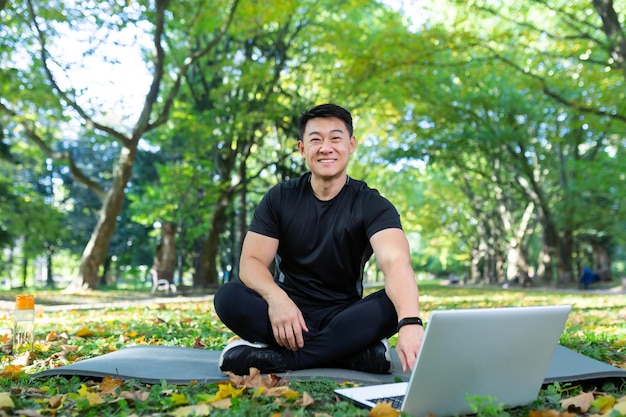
(52,73)
(519,110)
(233,130)
(495,127)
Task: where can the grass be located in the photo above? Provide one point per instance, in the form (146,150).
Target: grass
(596,328)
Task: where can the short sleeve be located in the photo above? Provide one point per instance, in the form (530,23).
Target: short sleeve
(266,219)
(380,214)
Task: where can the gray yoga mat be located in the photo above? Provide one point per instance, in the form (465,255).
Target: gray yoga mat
(179,365)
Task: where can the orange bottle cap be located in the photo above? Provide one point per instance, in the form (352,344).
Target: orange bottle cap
(24,302)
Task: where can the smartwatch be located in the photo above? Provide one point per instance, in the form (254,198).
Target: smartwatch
(410,320)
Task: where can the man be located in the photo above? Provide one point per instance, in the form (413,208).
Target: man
(320,230)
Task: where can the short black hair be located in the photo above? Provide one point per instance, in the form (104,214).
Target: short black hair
(325,110)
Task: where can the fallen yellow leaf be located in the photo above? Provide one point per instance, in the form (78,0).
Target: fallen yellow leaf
(83,390)
(178,398)
(226,391)
(11,371)
(109,384)
(6,401)
(604,403)
(84,332)
(42,347)
(620,407)
(196,410)
(94,398)
(383,409)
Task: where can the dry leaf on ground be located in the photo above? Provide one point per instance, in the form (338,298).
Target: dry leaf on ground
(6,401)
(199,344)
(383,409)
(84,332)
(223,404)
(11,371)
(305,401)
(196,410)
(110,384)
(255,380)
(579,403)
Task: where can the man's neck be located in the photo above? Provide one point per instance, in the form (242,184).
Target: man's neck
(327,189)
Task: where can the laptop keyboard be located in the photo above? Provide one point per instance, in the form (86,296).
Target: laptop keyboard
(396,401)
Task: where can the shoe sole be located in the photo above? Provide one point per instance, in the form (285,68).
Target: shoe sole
(388,353)
(237,343)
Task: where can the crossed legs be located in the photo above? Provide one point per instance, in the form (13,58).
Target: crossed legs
(335,333)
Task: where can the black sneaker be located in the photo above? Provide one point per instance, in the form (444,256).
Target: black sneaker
(375,359)
(240,355)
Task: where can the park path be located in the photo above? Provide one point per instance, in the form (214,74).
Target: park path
(78,302)
(91,301)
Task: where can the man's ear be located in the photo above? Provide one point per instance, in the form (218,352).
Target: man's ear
(301,147)
(352,144)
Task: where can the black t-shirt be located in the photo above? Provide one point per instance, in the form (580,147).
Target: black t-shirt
(323,245)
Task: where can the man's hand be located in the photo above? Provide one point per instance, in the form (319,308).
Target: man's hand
(257,255)
(287,323)
(409,343)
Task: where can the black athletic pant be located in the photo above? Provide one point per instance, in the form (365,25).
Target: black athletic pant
(335,332)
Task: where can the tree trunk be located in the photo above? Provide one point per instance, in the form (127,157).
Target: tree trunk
(205,275)
(96,250)
(106,271)
(49,274)
(566,248)
(24,269)
(475,266)
(601,262)
(165,257)
(242,220)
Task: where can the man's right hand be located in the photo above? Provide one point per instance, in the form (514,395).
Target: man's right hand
(287,322)
(257,254)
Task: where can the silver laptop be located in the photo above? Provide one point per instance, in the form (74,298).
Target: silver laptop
(501,353)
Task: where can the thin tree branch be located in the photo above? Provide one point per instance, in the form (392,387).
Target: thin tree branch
(557,97)
(526,25)
(44,56)
(169,100)
(66,156)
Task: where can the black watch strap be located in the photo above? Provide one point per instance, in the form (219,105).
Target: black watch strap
(410,320)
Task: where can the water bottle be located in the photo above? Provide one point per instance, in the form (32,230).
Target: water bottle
(24,324)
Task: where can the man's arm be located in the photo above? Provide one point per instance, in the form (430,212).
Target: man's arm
(257,255)
(391,249)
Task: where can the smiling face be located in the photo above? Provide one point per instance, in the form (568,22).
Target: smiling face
(326,146)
